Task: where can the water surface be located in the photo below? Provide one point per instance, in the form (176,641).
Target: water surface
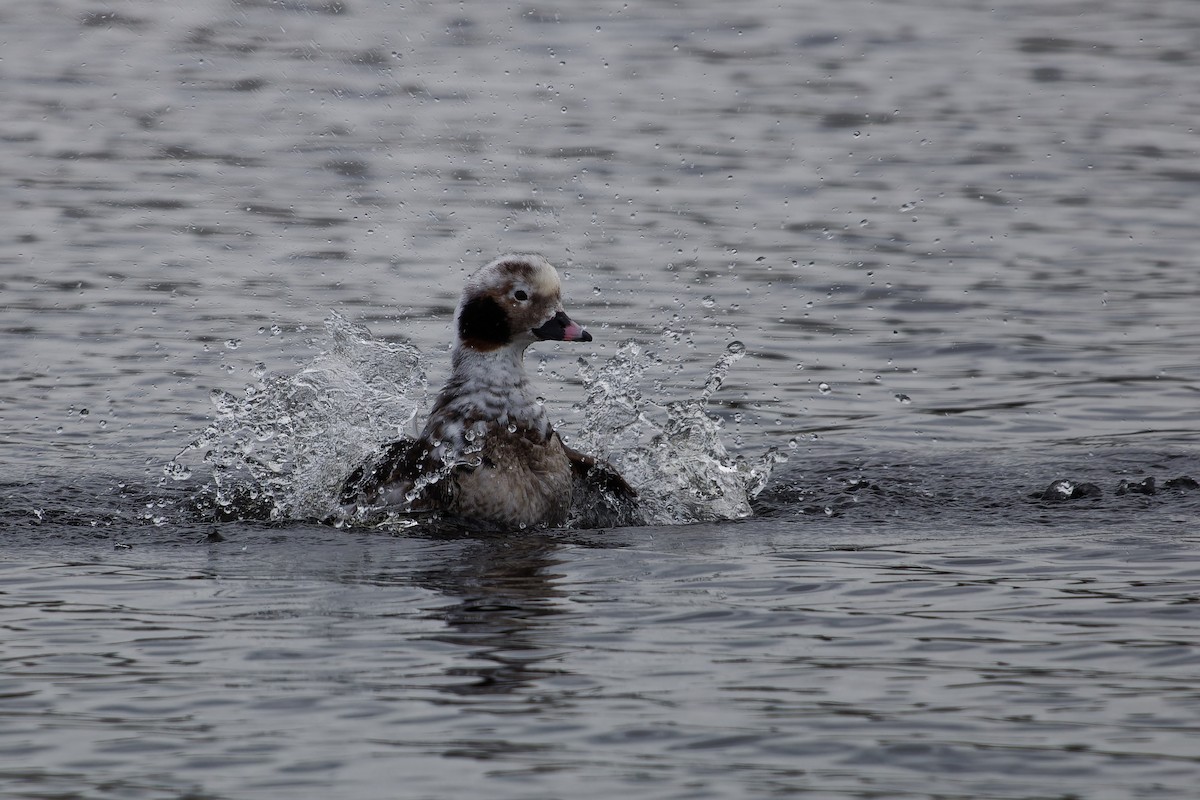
(957,240)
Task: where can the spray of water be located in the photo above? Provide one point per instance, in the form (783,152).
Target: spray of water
(281,449)
(671,452)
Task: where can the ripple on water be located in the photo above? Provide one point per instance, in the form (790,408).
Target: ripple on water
(906,615)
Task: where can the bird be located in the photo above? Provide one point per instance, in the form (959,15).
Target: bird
(488,452)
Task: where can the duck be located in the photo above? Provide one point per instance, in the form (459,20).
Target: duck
(488,452)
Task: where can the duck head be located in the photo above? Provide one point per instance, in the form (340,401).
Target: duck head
(515,300)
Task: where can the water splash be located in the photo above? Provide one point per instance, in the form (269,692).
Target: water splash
(281,450)
(671,453)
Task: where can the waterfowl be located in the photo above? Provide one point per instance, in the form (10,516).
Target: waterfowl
(488,451)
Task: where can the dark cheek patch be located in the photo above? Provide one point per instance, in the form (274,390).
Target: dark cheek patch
(483,324)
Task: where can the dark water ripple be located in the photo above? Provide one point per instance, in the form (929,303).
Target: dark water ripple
(957,239)
(954,663)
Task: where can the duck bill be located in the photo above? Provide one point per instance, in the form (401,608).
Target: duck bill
(560,328)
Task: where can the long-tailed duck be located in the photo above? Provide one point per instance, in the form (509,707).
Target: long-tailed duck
(488,451)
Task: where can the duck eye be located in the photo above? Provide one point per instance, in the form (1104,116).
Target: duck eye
(520,295)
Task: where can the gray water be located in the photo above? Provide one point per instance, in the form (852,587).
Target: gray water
(957,239)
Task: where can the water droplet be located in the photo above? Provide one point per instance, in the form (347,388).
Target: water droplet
(83,412)
(233,344)
(176,471)
(736,348)
(903,398)
(824,388)
(708,301)
(225,402)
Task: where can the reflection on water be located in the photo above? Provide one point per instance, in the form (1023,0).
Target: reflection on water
(945,662)
(503,590)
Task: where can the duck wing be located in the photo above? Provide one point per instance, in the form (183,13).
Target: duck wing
(599,473)
(602,498)
(390,474)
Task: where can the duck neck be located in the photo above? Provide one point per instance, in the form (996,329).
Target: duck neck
(491,386)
